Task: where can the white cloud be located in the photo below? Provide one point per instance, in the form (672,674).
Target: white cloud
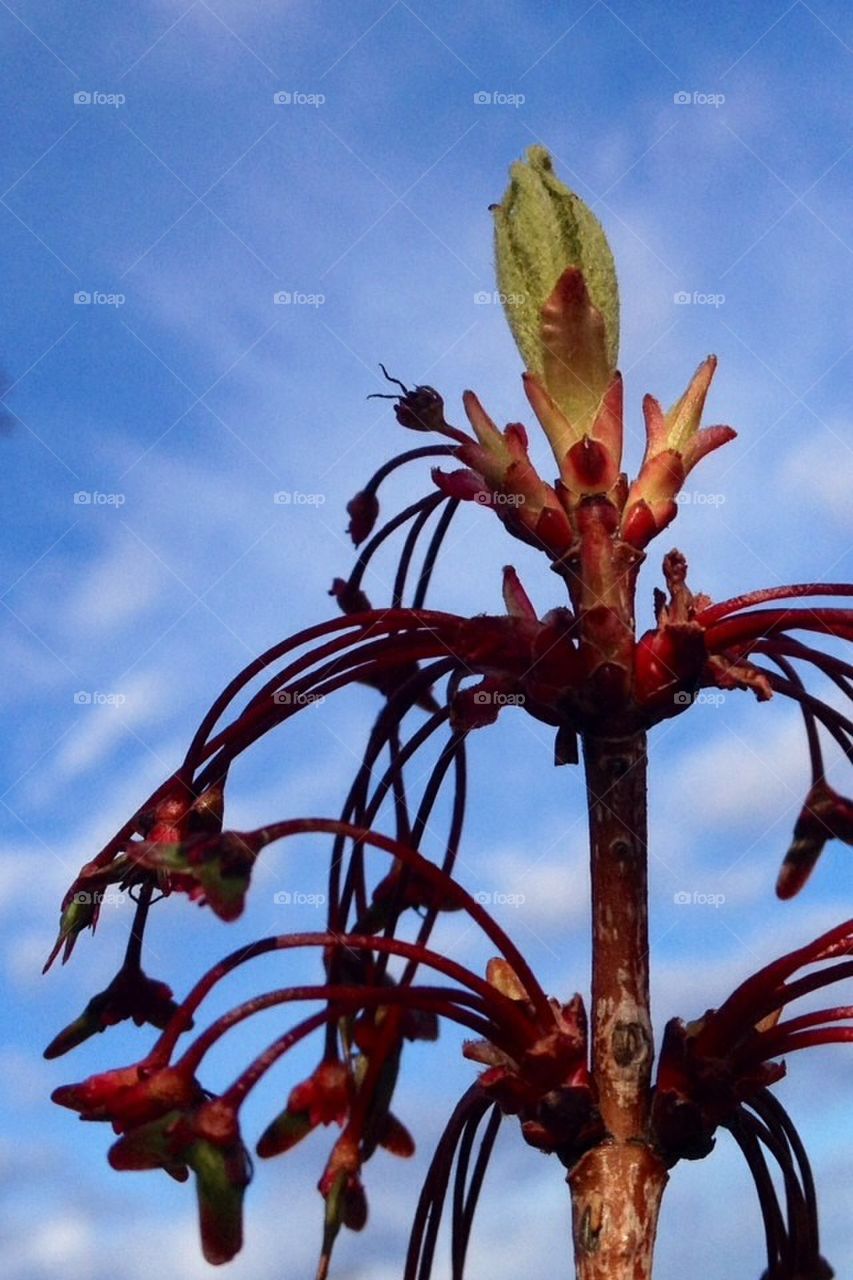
(31,1078)
(739,776)
(119,587)
(104,725)
(65,1243)
(817,475)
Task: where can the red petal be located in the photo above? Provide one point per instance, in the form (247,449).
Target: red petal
(516,598)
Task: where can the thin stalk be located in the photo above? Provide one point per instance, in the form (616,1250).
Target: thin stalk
(745,629)
(503,1010)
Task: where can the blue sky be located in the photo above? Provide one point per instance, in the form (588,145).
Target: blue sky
(181,197)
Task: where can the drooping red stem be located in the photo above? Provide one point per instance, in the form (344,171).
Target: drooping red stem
(358,998)
(434,876)
(794,591)
(502,1008)
(443,1001)
(388,620)
(745,628)
(261,718)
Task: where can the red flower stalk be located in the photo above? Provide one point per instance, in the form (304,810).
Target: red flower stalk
(583,1093)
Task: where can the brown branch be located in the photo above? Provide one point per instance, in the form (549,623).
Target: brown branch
(617,1187)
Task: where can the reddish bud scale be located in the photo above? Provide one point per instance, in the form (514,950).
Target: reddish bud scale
(95,1097)
(343,1163)
(464,485)
(589,468)
(668,667)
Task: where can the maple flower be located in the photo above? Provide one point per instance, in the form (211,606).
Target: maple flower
(324,1098)
(204,1139)
(131,994)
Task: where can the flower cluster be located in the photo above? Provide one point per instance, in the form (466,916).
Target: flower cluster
(581,670)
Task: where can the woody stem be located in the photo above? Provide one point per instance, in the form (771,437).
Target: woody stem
(617,1186)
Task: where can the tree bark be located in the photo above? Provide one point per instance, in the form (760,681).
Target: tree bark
(617,1187)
